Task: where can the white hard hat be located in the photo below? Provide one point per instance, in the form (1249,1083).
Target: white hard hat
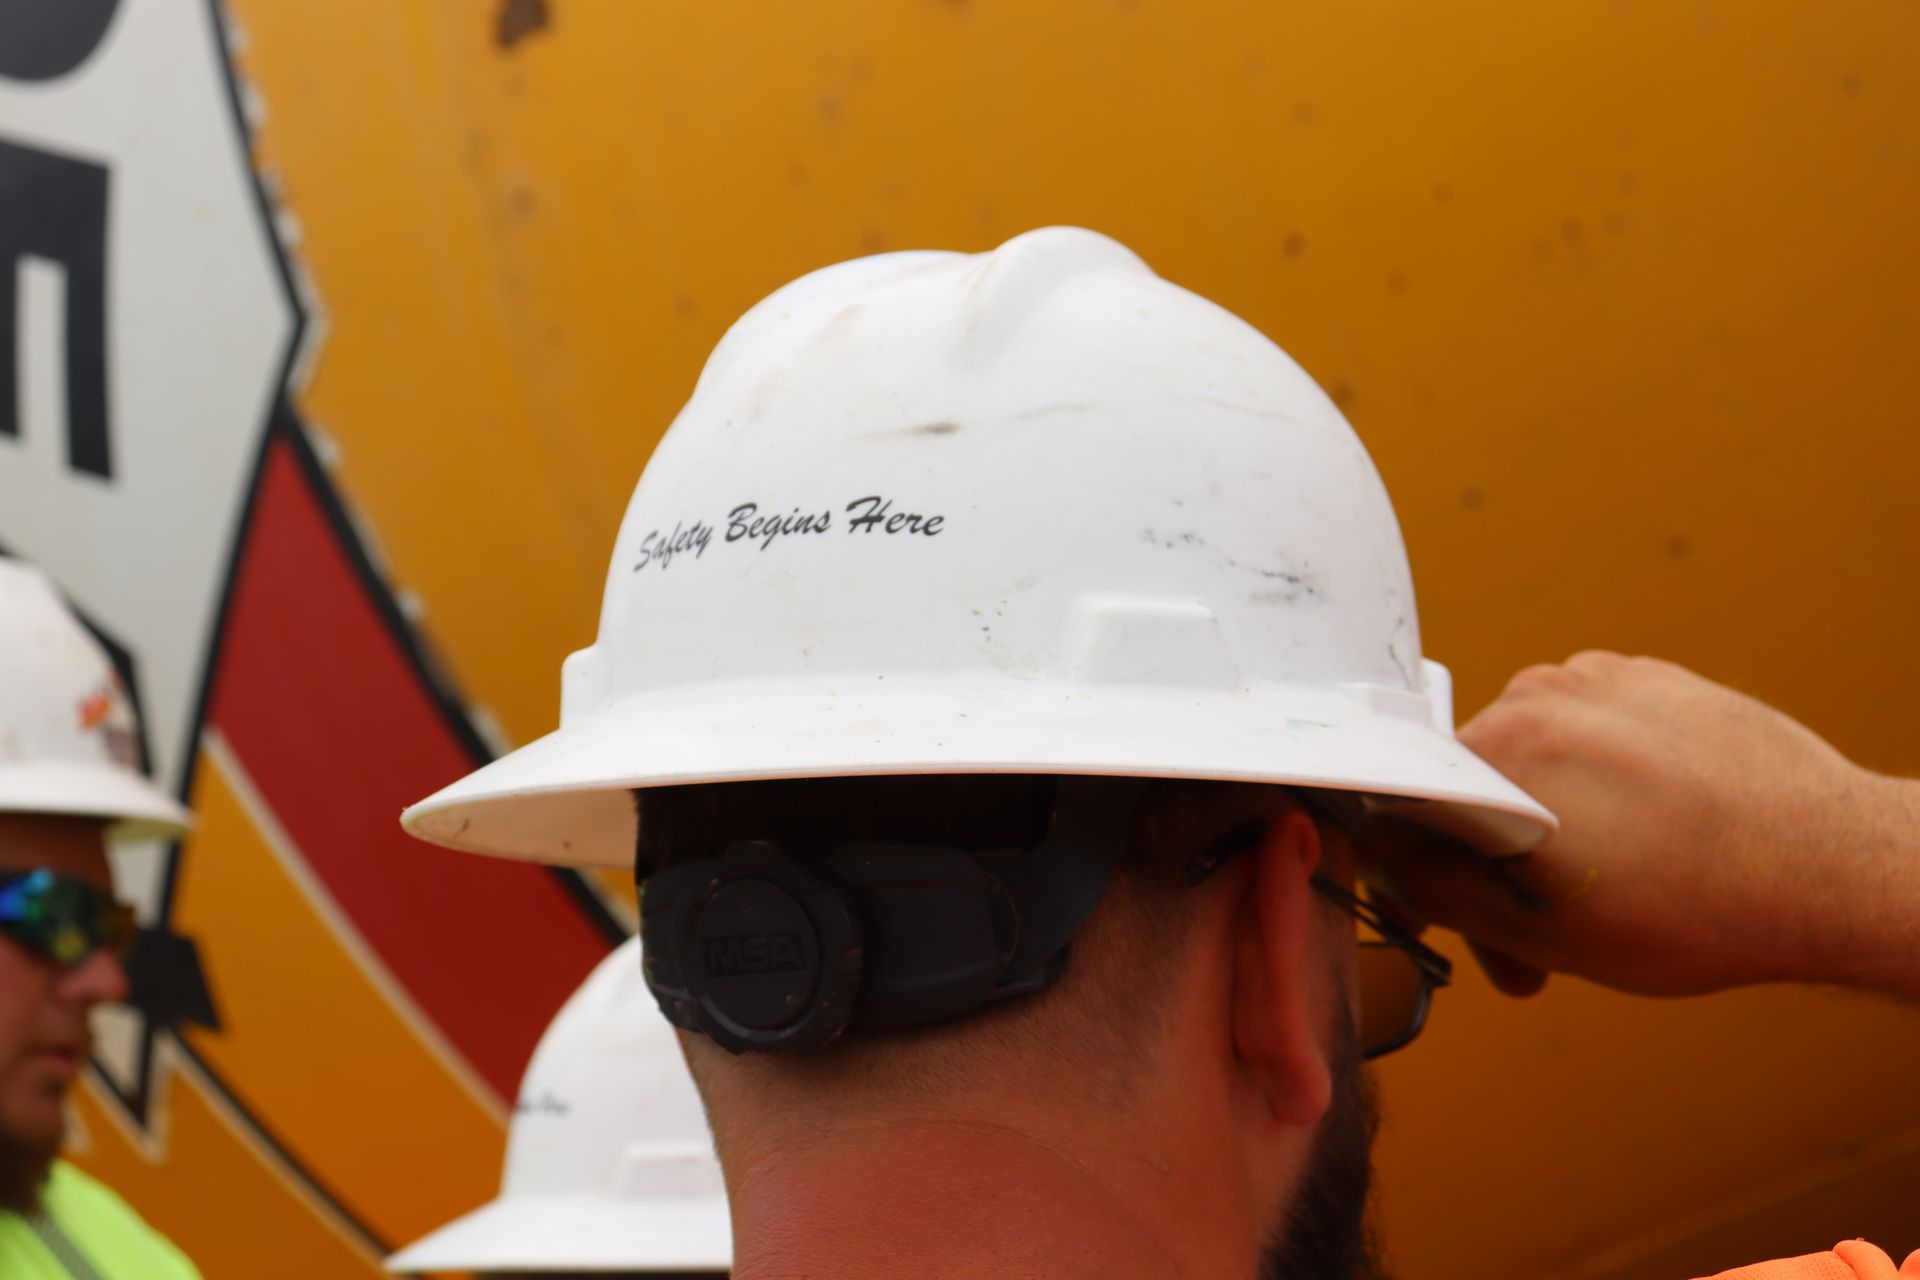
(1031,511)
(69,743)
(609,1163)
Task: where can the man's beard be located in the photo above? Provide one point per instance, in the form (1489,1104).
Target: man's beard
(1325,1234)
(27,1153)
(23,1172)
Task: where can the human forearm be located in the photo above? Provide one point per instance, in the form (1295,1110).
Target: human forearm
(1865,932)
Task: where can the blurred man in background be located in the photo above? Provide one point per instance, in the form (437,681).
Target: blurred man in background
(70,782)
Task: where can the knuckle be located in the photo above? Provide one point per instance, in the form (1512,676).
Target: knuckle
(1649,667)
(1541,677)
(1597,663)
(1521,731)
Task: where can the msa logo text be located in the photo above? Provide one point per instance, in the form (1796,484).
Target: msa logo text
(746,954)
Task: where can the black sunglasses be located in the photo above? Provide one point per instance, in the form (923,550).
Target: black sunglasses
(1397,974)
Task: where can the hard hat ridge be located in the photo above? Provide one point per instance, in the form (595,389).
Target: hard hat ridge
(1007,288)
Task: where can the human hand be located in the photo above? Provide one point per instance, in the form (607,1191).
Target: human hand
(1707,840)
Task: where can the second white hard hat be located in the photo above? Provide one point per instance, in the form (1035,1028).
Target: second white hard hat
(69,743)
(609,1163)
(1030,511)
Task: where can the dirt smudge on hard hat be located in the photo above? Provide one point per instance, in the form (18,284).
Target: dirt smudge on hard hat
(1678,547)
(1293,244)
(1473,497)
(1052,407)
(1283,595)
(765,392)
(942,427)
(1232,406)
(1292,585)
(842,319)
(1172,540)
(518,19)
(1395,652)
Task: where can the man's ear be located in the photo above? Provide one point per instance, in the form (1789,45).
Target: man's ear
(1273,998)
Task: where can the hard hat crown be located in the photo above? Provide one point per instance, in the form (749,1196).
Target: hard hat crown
(69,739)
(1035,510)
(606,1106)
(971,465)
(609,1163)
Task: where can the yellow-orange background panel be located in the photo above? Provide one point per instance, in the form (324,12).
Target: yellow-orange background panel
(313,1048)
(1621,295)
(1525,1145)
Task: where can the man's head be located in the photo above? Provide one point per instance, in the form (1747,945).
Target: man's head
(1030,511)
(71,779)
(1239,991)
(45,1003)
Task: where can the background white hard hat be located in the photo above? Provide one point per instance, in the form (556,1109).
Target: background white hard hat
(609,1163)
(1121,533)
(69,743)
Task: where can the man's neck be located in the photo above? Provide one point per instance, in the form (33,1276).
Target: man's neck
(954,1198)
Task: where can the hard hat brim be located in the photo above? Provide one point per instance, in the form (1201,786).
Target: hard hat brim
(563,799)
(577,1233)
(136,807)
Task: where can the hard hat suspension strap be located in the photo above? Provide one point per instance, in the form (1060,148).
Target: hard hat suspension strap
(772,948)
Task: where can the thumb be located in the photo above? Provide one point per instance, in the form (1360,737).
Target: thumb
(1508,976)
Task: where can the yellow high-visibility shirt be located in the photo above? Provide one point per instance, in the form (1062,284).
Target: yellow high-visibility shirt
(86,1232)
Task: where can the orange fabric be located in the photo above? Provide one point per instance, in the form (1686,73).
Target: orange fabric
(1849,1260)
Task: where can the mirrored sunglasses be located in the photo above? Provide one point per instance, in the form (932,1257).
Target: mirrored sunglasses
(61,918)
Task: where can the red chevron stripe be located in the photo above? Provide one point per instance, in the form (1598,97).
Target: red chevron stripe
(319,701)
